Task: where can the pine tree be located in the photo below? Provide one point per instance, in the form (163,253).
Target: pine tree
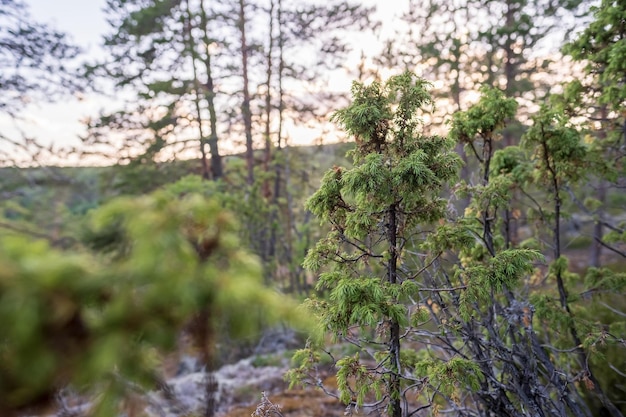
(374,209)
(601,98)
(161,52)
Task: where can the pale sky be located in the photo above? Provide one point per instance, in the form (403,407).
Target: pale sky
(59,122)
(84,21)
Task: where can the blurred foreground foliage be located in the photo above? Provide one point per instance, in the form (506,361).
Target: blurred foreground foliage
(98,317)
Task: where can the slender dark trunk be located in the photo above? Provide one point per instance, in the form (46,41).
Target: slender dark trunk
(281,102)
(487,215)
(245,107)
(203,336)
(526,348)
(216,159)
(592,383)
(456,95)
(268,103)
(510,72)
(289,220)
(267,192)
(598,228)
(394,336)
(624,130)
(557,249)
(283,169)
(510,67)
(197,92)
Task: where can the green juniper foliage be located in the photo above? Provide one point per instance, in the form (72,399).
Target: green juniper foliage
(599,98)
(552,157)
(375,207)
(446,311)
(598,102)
(602,46)
(561,161)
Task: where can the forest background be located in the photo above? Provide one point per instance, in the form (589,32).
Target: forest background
(471,245)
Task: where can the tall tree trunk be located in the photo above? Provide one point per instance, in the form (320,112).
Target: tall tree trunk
(217,170)
(270,249)
(267,154)
(394,335)
(598,227)
(283,173)
(487,216)
(592,383)
(510,72)
(456,90)
(245,106)
(197,92)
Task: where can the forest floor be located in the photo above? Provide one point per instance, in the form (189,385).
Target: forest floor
(256,383)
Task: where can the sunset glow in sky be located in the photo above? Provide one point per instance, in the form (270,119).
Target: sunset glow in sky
(84,21)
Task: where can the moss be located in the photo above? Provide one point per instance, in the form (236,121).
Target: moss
(260,361)
(579,242)
(245,394)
